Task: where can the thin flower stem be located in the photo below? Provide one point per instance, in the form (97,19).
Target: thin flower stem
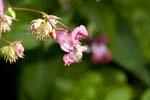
(29,10)
(6,41)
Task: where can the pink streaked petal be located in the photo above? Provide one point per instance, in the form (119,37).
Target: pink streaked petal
(64,40)
(79,33)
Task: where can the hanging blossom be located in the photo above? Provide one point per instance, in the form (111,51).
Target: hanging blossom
(69,42)
(5,20)
(100,51)
(12,52)
(43,28)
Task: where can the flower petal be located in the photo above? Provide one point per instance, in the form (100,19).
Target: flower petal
(79,33)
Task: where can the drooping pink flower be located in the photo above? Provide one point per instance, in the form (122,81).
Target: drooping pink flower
(69,42)
(100,51)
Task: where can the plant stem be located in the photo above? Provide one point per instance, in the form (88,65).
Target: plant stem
(29,10)
(6,41)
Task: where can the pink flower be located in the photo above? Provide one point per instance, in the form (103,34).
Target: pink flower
(100,51)
(70,43)
(68,40)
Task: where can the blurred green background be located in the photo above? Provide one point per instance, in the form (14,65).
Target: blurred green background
(42,76)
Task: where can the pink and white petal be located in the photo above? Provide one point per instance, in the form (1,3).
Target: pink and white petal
(70,58)
(64,40)
(79,33)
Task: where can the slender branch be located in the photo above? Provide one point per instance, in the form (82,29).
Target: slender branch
(29,10)
(6,41)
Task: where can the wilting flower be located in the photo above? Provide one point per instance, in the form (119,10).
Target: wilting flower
(5,23)
(70,43)
(12,52)
(18,48)
(41,29)
(9,54)
(100,51)
(44,28)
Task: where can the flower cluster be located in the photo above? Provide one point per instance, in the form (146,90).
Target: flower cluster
(13,51)
(100,51)
(69,41)
(47,28)
(43,29)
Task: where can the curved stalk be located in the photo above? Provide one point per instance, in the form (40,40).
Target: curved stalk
(29,10)
(6,41)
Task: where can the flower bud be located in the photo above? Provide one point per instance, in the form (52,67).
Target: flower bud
(11,12)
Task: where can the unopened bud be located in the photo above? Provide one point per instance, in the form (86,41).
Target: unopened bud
(12,12)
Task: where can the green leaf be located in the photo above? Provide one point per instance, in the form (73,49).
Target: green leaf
(127,52)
